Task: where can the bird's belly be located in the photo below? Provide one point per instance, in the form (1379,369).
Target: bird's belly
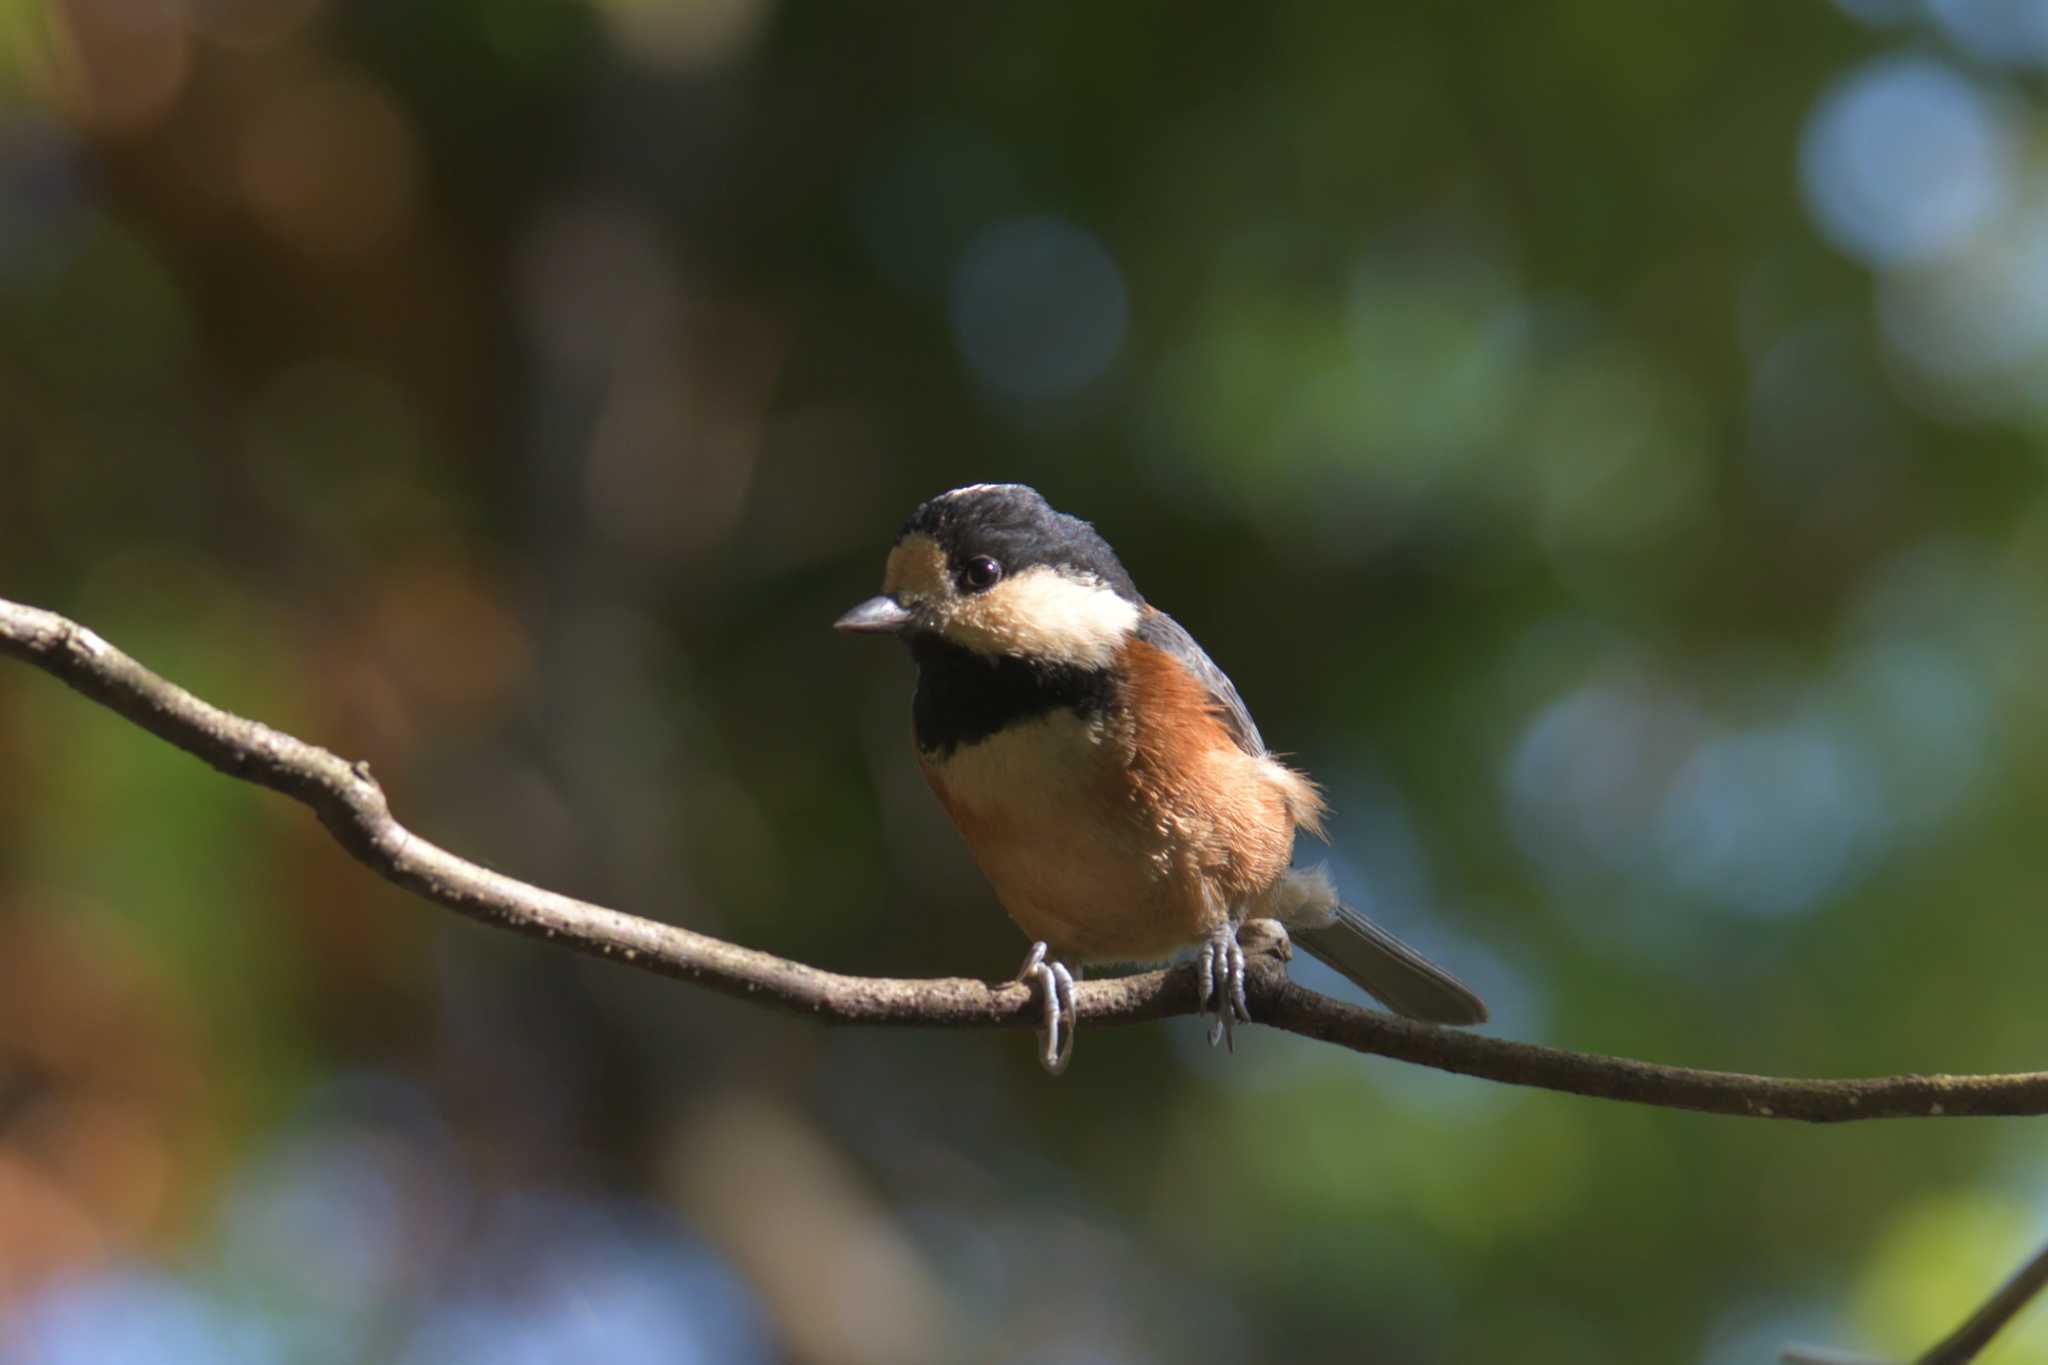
(1075,852)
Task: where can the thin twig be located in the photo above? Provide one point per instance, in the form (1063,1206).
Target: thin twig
(352,806)
(1973,1336)
(1967,1341)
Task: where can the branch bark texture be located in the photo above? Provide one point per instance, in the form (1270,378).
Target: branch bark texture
(350,803)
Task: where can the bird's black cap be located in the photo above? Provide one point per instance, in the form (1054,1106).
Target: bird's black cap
(1016,527)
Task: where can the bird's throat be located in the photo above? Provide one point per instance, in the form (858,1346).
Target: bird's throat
(963,697)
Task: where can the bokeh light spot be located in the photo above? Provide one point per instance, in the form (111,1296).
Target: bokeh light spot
(1999,32)
(1038,308)
(129,1317)
(558,1280)
(331,168)
(1617,454)
(362,1190)
(1903,160)
(1971,333)
(1440,340)
(1927,716)
(1585,776)
(1769,820)
(123,64)
(687,35)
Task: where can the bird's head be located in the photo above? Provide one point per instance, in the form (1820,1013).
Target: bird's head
(993,569)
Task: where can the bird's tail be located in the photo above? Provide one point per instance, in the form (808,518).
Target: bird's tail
(1341,938)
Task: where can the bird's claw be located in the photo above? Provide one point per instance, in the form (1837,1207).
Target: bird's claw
(1056,990)
(1219,977)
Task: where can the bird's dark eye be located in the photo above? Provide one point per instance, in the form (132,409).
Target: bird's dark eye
(981,573)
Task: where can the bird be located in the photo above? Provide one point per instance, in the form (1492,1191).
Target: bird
(1105,774)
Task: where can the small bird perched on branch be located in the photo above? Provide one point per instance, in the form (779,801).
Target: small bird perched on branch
(1104,771)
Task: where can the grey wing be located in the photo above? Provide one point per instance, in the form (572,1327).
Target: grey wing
(1392,971)
(1162,632)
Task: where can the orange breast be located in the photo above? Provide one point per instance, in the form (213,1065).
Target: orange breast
(1234,813)
(1123,837)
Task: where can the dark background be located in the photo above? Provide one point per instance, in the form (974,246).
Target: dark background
(1602,440)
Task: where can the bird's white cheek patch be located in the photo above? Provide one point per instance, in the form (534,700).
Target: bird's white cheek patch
(1044,614)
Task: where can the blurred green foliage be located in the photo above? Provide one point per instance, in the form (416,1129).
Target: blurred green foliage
(1602,441)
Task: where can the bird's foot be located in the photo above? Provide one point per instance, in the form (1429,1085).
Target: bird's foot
(1056,988)
(1219,977)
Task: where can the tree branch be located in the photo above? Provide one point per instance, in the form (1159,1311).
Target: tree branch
(352,806)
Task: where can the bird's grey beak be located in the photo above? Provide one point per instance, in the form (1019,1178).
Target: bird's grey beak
(876,616)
